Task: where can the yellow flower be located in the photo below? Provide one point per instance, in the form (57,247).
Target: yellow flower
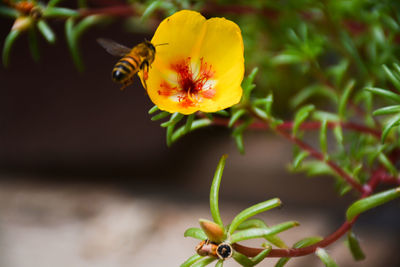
(200,68)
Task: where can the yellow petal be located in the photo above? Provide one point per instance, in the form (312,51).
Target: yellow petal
(189,36)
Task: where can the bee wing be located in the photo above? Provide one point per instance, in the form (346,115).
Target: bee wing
(113,47)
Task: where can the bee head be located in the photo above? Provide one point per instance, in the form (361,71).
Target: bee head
(150,45)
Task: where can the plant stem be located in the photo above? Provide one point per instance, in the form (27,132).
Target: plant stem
(314,153)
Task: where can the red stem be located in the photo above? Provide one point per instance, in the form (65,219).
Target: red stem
(376,178)
(314,153)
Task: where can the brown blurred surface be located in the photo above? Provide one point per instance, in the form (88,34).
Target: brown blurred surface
(86,178)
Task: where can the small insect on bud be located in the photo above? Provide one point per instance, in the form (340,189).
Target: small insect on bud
(224,251)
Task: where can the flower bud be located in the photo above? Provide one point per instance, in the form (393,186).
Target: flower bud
(214,232)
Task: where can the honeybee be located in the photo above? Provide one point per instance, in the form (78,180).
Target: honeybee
(208,248)
(133,60)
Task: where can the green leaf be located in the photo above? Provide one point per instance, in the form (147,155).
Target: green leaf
(204,262)
(191,260)
(299,158)
(253,210)
(260,113)
(395,79)
(385,93)
(301,116)
(175,118)
(150,9)
(195,233)
(355,247)
(160,116)
(10,39)
(238,135)
(52,3)
(223,113)
(59,12)
(313,90)
(337,131)
(72,44)
(257,223)
(46,31)
(300,244)
(247,83)
(219,263)
(323,137)
(261,256)
(268,104)
(214,191)
(197,124)
(345,98)
(260,233)
(242,259)
(34,44)
(323,115)
(170,132)
(316,167)
(153,109)
(387,163)
(370,202)
(325,258)
(235,116)
(387,110)
(8,12)
(338,71)
(189,122)
(393,122)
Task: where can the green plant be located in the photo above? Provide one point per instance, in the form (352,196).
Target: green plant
(330,66)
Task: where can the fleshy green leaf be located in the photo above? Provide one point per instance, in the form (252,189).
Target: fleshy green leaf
(175,118)
(323,137)
(345,98)
(300,244)
(214,191)
(257,223)
(299,158)
(195,233)
(301,116)
(191,260)
(189,122)
(387,163)
(393,122)
(59,12)
(170,132)
(46,31)
(160,115)
(34,44)
(370,202)
(385,93)
(235,116)
(387,110)
(52,3)
(219,263)
(153,109)
(10,39)
(253,210)
(197,124)
(260,233)
(242,259)
(204,262)
(150,9)
(325,258)
(395,79)
(248,83)
(8,12)
(355,247)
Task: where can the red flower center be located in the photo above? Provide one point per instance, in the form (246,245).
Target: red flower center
(192,86)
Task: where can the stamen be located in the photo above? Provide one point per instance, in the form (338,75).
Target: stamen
(191,88)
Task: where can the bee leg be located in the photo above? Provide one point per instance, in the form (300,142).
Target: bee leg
(145,68)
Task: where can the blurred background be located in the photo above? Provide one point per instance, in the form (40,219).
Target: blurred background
(86,179)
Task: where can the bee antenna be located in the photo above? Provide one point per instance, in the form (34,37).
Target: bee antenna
(161,44)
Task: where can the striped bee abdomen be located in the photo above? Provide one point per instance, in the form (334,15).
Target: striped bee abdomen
(125,68)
